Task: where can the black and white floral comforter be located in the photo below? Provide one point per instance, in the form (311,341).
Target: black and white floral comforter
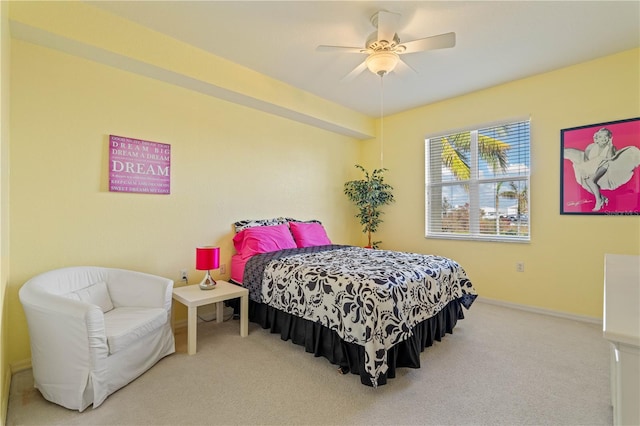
(372,298)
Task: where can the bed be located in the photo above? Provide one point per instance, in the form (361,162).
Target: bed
(367,311)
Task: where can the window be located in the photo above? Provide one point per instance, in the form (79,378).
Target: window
(477,184)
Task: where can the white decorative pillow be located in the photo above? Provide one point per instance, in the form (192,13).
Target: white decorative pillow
(96,294)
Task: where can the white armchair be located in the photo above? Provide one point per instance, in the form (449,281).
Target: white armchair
(93,330)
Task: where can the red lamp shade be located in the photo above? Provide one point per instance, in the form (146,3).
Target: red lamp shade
(207,258)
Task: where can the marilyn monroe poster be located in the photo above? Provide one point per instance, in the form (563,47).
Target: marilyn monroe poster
(600,171)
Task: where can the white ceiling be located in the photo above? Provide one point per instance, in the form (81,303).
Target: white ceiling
(497,42)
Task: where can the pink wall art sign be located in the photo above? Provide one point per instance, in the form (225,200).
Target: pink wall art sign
(600,169)
(139,166)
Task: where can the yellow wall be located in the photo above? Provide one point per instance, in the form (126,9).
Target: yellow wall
(564,263)
(228,163)
(86,31)
(5,373)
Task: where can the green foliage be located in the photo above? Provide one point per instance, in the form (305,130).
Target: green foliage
(515,194)
(456,149)
(369,195)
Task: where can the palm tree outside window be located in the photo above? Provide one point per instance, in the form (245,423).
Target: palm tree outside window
(477,183)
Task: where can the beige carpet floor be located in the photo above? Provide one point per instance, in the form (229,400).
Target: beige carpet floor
(500,367)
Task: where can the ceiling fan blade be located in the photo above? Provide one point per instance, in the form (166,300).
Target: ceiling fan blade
(387,24)
(356,72)
(341,49)
(441,41)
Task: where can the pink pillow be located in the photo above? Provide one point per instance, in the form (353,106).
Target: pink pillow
(309,234)
(263,239)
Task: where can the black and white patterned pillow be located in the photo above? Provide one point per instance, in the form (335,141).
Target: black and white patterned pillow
(241,225)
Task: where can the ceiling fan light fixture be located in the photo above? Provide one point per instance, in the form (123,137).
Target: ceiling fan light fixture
(382,62)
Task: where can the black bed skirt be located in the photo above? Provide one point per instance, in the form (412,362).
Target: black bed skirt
(321,341)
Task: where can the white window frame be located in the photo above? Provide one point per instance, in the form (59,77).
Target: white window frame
(473,183)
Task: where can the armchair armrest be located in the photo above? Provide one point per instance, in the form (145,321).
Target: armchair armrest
(68,345)
(137,289)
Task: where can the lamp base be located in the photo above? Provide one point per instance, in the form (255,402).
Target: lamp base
(208,283)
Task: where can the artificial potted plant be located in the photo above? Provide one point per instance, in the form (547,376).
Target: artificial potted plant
(369,195)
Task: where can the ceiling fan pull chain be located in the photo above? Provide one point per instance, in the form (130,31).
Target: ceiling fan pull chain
(381,121)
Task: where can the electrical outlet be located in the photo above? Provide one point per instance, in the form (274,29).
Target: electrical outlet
(223,269)
(183,274)
(520,266)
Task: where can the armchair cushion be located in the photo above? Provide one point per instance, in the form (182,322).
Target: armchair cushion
(124,326)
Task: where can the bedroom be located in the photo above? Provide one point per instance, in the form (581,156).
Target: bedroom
(225,170)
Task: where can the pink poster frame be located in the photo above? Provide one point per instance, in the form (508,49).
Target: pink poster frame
(599,168)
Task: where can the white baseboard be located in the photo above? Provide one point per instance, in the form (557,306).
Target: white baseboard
(15,367)
(4,404)
(575,317)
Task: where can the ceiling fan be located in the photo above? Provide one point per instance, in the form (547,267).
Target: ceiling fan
(383,46)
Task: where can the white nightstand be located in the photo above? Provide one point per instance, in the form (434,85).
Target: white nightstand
(192,296)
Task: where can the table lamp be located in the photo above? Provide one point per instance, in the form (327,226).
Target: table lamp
(207,258)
